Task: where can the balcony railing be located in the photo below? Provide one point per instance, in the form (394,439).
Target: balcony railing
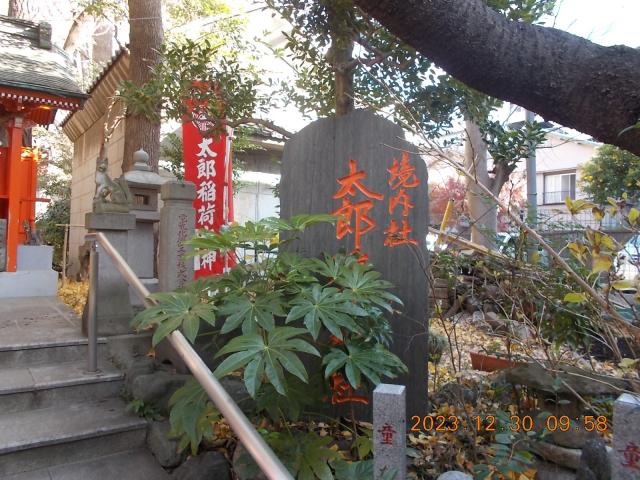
(550,198)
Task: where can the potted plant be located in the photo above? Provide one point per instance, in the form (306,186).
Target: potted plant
(491,359)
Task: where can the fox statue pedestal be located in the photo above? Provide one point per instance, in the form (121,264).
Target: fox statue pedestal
(113,302)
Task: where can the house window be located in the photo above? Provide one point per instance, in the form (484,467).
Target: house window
(559,186)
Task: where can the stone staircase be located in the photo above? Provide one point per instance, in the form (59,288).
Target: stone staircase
(56,420)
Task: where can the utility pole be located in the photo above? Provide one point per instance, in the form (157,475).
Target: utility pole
(532,190)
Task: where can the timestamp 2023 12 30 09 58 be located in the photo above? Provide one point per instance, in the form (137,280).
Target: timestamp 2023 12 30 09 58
(516,423)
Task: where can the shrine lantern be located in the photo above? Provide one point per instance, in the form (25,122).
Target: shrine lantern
(36,79)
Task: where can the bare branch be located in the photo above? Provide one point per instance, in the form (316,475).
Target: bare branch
(264,123)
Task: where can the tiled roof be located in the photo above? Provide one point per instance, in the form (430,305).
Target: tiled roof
(29,61)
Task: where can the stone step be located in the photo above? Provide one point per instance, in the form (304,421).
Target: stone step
(133,465)
(47,352)
(48,437)
(42,386)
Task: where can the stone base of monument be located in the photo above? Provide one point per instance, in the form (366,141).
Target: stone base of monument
(152,285)
(33,277)
(113,299)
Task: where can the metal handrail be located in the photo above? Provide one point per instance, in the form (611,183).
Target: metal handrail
(266,459)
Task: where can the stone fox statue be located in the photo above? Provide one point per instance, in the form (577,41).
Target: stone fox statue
(111,195)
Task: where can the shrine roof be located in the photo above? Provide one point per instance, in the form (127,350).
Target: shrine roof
(29,61)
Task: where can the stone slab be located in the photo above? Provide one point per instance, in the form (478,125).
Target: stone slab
(178,190)
(34,283)
(389,431)
(71,450)
(47,426)
(313,161)
(51,376)
(626,438)
(62,393)
(15,380)
(110,221)
(140,250)
(28,322)
(152,284)
(34,257)
(134,465)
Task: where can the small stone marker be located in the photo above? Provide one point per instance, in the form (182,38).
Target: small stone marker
(626,438)
(454,475)
(389,431)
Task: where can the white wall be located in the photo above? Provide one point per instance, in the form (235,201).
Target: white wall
(254,199)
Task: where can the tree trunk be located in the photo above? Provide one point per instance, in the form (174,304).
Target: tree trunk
(145,40)
(560,76)
(342,56)
(23,9)
(482,210)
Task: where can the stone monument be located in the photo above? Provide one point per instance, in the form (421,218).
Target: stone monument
(144,185)
(360,168)
(177,224)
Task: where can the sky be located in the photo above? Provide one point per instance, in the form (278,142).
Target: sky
(608,22)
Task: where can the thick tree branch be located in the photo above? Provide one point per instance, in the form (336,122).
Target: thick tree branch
(265,123)
(502,172)
(560,76)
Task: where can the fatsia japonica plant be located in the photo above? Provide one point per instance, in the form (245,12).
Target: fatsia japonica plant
(287,325)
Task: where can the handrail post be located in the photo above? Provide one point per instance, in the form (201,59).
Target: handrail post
(92,307)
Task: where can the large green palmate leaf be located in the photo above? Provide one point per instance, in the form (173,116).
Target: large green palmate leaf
(291,272)
(300,396)
(192,415)
(366,285)
(325,306)
(173,310)
(362,470)
(266,358)
(331,266)
(374,362)
(251,311)
(306,455)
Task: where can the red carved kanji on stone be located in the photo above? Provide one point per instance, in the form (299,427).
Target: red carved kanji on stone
(395,236)
(631,456)
(343,393)
(387,431)
(402,176)
(350,184)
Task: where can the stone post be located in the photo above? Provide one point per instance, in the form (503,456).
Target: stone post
(626,437)
(177,224)
(389,431)
(114,305)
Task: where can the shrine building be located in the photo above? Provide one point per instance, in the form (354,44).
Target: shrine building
(36,80)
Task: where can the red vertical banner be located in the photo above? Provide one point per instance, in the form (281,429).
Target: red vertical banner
(207,163)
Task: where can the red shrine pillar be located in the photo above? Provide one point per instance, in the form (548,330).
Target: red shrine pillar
(18,177)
